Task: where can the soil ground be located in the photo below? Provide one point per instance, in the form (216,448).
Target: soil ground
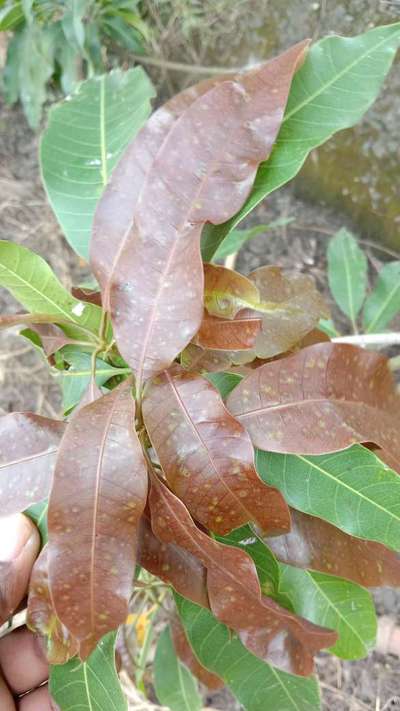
(373,683)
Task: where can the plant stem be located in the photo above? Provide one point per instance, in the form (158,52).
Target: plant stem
(189,68)
(370,339)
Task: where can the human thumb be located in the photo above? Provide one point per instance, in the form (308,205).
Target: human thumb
(19,547)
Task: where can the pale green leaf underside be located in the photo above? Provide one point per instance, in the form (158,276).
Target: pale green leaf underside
(86,136)
(175,685)
(347,273)
(31,281)
(76,379)
(352,489)
(384,302)
(337,83)
(255,684)
(335,603)
(92,685)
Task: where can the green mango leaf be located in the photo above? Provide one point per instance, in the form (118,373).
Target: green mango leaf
(327,326)
(85,137)
(268,570)
(73,23)
(224,382)
(11,15)
(10,75)
(75,380)
(238,238)
(255,684)
(335,603)
(35,67)
(38,514)
(31,281)
(384,302)
(352,489)
(175,685)
(92,685)
(347,273)
(337,83)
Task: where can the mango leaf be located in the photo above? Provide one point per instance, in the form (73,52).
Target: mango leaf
(173,565)
(75,380)
(35,66)
(28,448)
(11,15)
(250,680)
(268,569)
(224,382)
(238,238)
(100,480)
(267,630)
(174,684)
(41,616)
(354,490)
(31,281)
(321,399)
(347,273)
(237,334)
(337,83)
(384,303)
(313,543)
(156,278)
(207,456)
(92,684)
(290,308)
(200,360)
(226,292)
(337,603)
(85,137)
(188,657)
(38,514)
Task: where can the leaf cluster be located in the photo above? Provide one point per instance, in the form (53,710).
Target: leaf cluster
(215,437)
(64,42)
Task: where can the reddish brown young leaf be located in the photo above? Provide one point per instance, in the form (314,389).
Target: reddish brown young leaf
(314,543)
(28,447)
(200,360)
(227,292)
(207,456)
(321,399)
(99,493)
(52,337)
(188,657)
(173,565)
(155,283)
(266,629)
(42,619)
(238,334)
(291,308)
(91,296)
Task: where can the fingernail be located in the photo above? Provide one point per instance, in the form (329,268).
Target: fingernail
(15,532)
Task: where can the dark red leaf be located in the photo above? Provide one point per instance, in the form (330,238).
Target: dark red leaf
(90,296)
(322,399)
(238,334)
(187,656)
(99,493)
(155,283)
(41,616)
(173,565)
(314,543)
(266,629)
(207,456)
(28,447)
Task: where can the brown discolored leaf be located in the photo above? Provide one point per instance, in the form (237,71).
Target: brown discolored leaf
(41,616)
(28,447)
(200,360)
(321,399)
(238,334)
(99,493)
(291,307)
(173,565)
(90,296)
(155,283)
(207,456)
(51,336)
(316,544)
(227,292)
(266,629)
(188,657)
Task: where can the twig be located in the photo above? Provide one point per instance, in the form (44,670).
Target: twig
(181,67)
(370,339)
